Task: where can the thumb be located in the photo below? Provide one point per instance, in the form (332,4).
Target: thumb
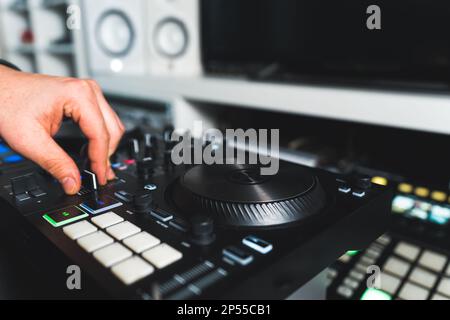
(52,158)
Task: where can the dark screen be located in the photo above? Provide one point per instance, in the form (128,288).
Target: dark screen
(329,38)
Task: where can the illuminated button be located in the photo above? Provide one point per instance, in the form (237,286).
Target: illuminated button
(412,292)
(123,230)
(402,204)
(439,196)
(162,255)
(422,192)
(389,283)
(79,229)
(95,241)
(237,255)
(359,193)
(444,287)
(345,189)
(112,254)
(99,204)
(396,266)
(382,181)
(352,253)
(345,291)
(4,148)
(107,220)
(423,277)
(116,165)
(141,242)
(64,216)
(132,270)
(437,296)
(257,244)
(433,260)
(375,294)
(405,188)
(15,158)
(407,251)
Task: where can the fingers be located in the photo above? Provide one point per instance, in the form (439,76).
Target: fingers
(50,156)
(83,108)
(100,124)
(113,124)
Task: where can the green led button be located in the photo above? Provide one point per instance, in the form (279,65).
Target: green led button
(375,294)
(64,216)
(352,253)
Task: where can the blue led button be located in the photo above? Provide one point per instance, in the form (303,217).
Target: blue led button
(98,204)
(13,159)
(4,148)
(257,244)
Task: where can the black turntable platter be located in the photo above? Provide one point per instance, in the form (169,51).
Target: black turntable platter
(239,196)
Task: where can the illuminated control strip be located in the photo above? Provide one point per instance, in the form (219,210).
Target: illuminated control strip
(132,254)
(408,272)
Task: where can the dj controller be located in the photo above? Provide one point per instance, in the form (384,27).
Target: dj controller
(413,255)
(165,231)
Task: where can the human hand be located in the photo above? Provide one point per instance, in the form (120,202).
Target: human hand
(32,108)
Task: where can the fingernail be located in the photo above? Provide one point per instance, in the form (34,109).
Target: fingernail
(69,185)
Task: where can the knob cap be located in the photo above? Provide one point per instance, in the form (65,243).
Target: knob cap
(142,202)
(145,168)
(202,230)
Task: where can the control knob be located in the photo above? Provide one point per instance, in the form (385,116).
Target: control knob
(142,202)
(145,168)
(202,230)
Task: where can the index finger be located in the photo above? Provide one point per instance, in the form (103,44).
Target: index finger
(85,111)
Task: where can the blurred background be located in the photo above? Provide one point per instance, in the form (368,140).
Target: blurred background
(345,97)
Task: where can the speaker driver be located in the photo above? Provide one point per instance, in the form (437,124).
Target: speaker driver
(171,37)
(115,33)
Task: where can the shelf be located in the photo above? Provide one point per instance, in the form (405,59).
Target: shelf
(65,49)
(19,6)
(53,3)
(25,49)
(52,51)
(388,108)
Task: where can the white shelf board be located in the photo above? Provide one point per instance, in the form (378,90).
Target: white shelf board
(419,111)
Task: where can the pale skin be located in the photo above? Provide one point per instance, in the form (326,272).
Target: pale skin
(32,108)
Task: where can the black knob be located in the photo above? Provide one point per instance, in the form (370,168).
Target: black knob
(363,183)
(142,202)
(150,145)
(202,230)
(145,168)
(167,132)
